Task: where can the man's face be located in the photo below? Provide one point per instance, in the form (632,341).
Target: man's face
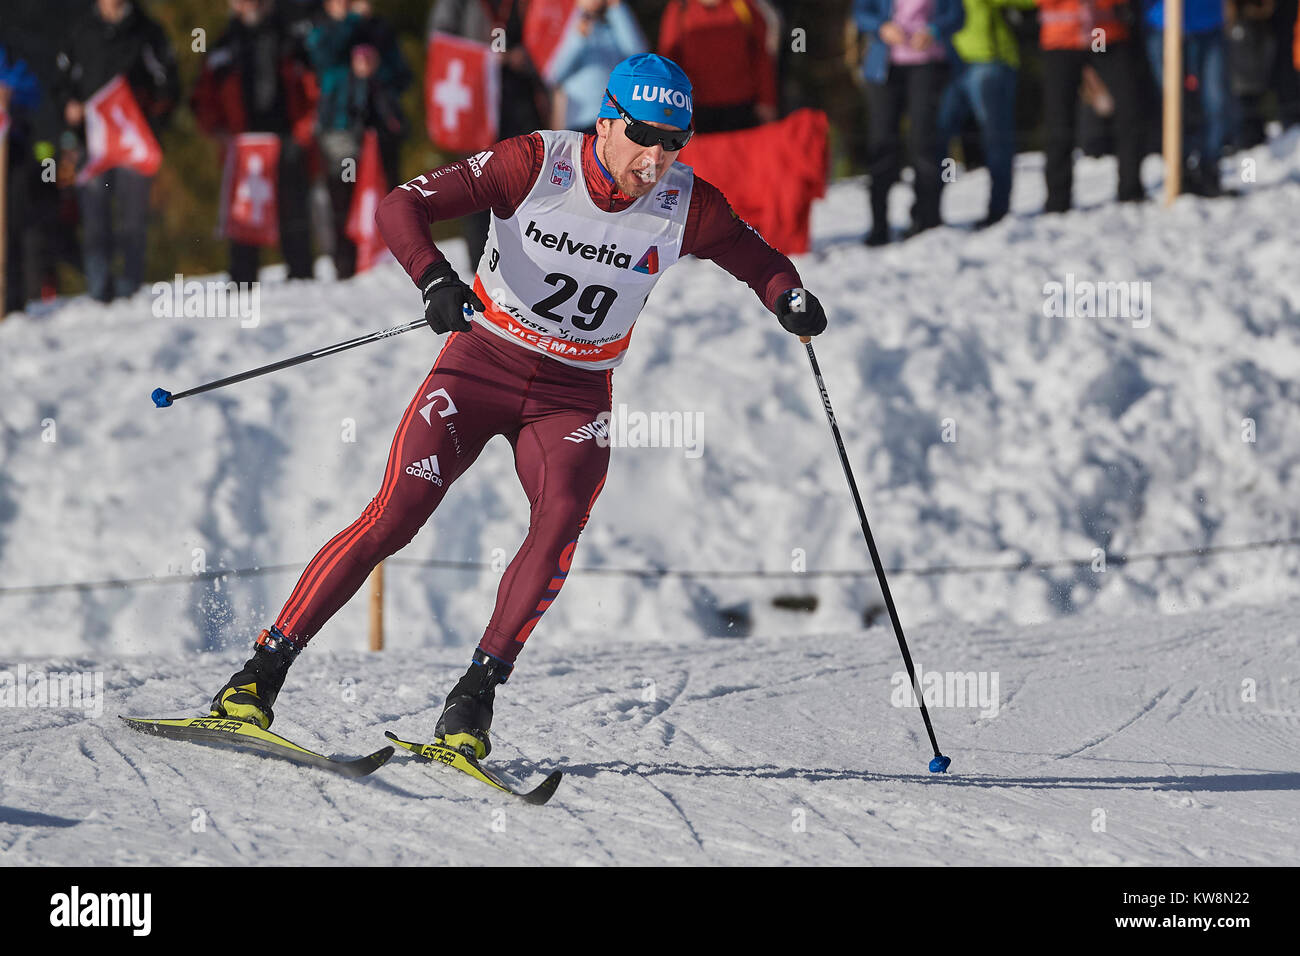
(635,168)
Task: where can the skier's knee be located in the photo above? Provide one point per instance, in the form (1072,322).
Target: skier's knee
(390,533)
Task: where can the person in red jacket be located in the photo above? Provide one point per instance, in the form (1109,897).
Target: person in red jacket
(583,226)
(726,47)
(256,79)
(1074,34)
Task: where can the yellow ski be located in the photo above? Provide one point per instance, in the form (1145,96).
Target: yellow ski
(437,753)
(243,736)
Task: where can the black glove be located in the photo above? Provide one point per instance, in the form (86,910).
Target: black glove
(445,298)
(800,312)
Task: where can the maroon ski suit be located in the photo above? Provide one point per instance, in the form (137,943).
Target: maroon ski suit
(482,385)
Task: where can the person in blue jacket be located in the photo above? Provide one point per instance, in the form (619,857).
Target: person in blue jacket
(600,35)
(906,68)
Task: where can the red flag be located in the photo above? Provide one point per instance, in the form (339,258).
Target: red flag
(785,168)
(544,24)
(370,189)
(249,206)
(461,94)
(117,134)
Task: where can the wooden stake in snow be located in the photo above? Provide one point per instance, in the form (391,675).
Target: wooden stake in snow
(377,607)
(1173,88)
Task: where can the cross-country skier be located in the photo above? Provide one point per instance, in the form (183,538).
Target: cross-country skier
(583,226)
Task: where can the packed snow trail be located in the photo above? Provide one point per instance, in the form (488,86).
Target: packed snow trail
(1115,741)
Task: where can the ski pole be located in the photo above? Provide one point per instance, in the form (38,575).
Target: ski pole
(163,398)
(940,763)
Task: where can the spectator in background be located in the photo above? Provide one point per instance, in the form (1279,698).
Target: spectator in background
(114,38)
(1286,75)
(256,79)
(1072,34)
(1253,71)
(19,96)
(393,75)
(906,68)
(984,84)
(358,92)
(1204,57)
(728,49)
(524,96)
(601,34)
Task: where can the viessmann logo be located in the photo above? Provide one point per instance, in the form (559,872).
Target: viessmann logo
(604,254)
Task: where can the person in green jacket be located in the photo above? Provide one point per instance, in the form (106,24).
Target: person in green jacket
(985,85)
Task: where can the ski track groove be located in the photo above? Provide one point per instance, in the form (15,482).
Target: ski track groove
(672,802)
(1181,703)
(593,834)
(1146,709)
(662,702)
(148,788)
(834,829)
(629,769)
(86,752)
(1011,694)
(211,823)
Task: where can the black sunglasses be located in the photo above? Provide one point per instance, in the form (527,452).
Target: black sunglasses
(643,134)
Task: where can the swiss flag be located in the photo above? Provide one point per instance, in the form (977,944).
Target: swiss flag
(462,92)
(117,134)
(371,188)
(249,207)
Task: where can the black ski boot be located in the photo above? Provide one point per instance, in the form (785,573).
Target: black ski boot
(467,715)
(249,694)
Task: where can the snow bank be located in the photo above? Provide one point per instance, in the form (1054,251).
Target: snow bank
(1164,428)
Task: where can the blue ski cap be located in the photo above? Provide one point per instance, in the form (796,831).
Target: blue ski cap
(652,88)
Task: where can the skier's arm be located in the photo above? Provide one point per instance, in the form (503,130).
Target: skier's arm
(500,183)
(714,231)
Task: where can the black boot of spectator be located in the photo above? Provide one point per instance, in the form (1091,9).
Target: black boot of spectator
(879,234)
